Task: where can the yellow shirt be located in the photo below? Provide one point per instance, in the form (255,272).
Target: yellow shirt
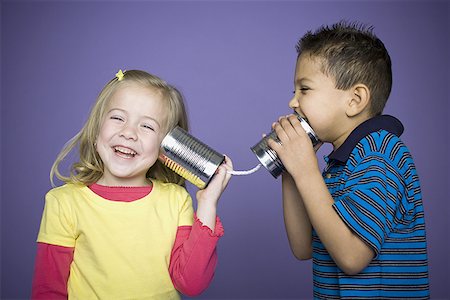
(122,249)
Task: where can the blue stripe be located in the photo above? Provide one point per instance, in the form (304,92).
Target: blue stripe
(377,194)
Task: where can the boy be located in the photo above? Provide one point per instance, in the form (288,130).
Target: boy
(361,221)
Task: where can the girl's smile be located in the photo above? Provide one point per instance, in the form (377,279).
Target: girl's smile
(124,152)
(130,135)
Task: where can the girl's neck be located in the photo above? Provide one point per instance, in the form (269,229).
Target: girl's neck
(124,182)
(121,193)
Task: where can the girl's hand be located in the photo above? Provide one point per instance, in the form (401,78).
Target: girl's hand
(208,198)
(217,184)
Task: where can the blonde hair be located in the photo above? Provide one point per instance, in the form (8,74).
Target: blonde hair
(89,168)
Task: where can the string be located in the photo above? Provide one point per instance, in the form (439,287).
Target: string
(247,172)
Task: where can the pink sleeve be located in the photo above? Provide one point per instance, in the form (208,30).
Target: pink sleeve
(194,257)
(52,267)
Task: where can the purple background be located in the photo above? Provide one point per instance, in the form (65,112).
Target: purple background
(234,62)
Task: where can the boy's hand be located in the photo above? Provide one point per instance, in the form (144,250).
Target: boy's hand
(296,151)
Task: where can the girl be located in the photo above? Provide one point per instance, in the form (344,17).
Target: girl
(122,226)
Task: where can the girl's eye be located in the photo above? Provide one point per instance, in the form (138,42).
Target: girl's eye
(116,118)
(148,127)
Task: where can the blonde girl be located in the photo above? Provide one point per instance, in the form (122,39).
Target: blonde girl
(122,226)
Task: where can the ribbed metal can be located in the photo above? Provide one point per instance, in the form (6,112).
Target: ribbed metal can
(189,157)
(269,158)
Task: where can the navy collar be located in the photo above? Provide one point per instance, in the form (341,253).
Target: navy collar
(386,122)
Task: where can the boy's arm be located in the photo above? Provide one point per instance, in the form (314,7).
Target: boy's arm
(296,220)
(349,252)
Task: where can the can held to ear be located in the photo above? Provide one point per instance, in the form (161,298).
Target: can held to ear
(189,157)
(269,158)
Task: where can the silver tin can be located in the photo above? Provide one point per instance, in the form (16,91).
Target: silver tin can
(269,158)
(189,157)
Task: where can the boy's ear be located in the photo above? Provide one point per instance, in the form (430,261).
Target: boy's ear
(359,100)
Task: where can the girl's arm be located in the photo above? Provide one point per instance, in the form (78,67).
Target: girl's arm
(52,267)
(296,220)
(194,257)
(208,198)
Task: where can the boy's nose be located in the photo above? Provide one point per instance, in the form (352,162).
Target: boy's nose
(293,103)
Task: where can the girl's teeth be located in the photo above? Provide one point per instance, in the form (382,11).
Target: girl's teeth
(125,151)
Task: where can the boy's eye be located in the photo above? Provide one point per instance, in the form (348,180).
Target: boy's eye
(303,90)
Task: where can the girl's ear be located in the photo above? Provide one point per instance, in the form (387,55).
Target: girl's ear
(359,100)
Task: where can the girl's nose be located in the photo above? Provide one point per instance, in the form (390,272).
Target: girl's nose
(129,133)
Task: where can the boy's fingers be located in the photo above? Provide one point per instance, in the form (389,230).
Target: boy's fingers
(297,125)
(274,145)
(280,129)
(288,124)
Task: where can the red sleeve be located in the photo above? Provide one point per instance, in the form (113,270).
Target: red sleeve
(51,272)
(194,257)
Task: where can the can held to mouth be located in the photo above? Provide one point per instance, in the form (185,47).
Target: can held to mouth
(269,158)
(189,157)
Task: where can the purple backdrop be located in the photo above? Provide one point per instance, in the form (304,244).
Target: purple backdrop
(234,62)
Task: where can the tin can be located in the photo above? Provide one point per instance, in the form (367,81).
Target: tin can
(269,158)
(189,157)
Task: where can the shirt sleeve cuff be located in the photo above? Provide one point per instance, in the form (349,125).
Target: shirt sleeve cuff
(218,228)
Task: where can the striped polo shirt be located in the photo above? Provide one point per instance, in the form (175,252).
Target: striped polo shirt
(373,181)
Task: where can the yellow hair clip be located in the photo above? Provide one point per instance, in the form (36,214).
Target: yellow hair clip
(119,75)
